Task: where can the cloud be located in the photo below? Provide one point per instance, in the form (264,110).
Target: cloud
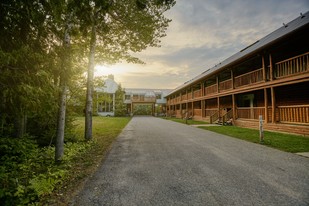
(205,32)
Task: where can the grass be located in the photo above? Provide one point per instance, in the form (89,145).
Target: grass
(183,121)
(284,142)
(104,131)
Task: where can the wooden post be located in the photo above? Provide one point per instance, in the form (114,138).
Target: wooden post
(203,108)
(131,108)
(232,78)
(266,105)
(271,68)
(264,68)
(261,129)
(202,89)
(234,108)
(218,102)
(273,105)
(218,89)
(180,109)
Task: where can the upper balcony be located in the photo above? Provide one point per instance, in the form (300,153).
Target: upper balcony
(239,79)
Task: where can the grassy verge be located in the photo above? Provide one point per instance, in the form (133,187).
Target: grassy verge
(284,142)
(105,130)
(183,121)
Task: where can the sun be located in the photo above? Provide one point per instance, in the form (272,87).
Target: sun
(103,70)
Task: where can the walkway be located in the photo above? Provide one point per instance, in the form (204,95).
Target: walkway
(160,162)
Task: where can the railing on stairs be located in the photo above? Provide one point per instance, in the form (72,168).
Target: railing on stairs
(214,117)
(227,116)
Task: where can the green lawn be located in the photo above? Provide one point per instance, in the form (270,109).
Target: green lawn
(189,121)
(105,130)
(285,142)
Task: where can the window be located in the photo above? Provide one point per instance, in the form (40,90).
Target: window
(158,96)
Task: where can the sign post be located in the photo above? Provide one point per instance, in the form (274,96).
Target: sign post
(261,129)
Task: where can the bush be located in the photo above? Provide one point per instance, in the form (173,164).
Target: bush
(28,172)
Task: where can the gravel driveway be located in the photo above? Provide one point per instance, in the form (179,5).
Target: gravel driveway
(160,162)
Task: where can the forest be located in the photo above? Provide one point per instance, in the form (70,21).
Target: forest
(48,51)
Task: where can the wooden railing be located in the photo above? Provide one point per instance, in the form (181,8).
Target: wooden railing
(225,85)
(197,112)
(227,116)
(249,78)
(214,117)
(197,93)
(292,66)
(211,89)
(184,97)
(250,112)
(143,99)
(295,113)
(210,112)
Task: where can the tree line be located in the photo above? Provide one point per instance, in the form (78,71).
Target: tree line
(48,51)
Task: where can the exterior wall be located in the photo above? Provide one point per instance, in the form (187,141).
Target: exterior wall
(272,82)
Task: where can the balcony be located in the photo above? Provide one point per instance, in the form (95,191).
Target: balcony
(197,93)
(250,112)
(295,65)
(141,99)
(225,85)
(295,113)
(249,78)
(211,89)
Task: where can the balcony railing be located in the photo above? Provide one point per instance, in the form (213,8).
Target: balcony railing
(143,99)
(197,93)
(292,66)
(295,113)
(225,85)
(197,112)
(210,112)
(184,97)
(249,78)
(211,89)
(250,112)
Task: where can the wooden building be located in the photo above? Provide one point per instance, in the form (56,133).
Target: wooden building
(269,77)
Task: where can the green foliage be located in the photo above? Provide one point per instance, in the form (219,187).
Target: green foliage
(285,142)
(120,107)
(28,172)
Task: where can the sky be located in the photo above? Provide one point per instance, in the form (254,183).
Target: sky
(202,34)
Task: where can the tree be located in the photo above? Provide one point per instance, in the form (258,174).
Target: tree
(120,106)
(116,28)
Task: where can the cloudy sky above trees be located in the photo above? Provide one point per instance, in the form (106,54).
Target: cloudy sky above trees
(202,34)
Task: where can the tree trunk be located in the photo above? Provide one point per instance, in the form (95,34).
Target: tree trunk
(59,150)
(89,102)
(66,60)
(19,125)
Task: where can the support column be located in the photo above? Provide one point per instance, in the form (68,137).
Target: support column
(271,75)
(264,68)
(218,102)
(202,89)
(203,108)
(234,107)
(218,87)
(232,78)
(114,97)
(192,106)
(273,105)
(266,106)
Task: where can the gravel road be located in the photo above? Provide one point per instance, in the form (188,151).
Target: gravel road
(160,162)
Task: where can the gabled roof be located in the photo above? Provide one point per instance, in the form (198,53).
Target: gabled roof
(271,38)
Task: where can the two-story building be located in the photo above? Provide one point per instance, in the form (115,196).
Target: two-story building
(269,77)
(152,99)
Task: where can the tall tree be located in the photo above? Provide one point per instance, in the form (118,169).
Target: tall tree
(116,29)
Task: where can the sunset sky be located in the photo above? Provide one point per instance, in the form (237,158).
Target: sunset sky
(203,33)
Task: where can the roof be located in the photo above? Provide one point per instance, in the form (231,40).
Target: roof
(110,86)
(271,38)
(148,92)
